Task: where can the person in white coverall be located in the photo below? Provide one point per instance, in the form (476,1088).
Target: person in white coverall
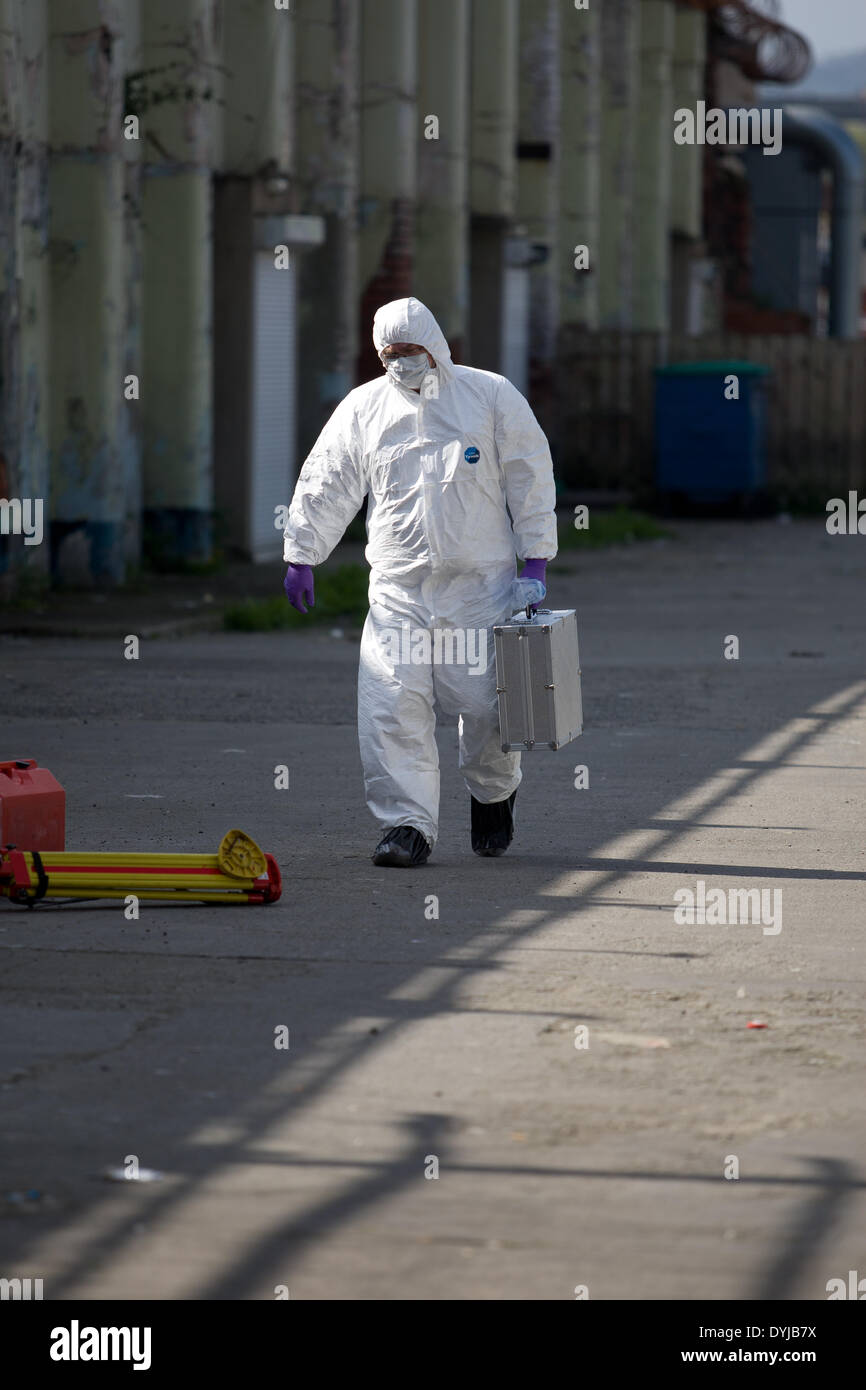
(460,483)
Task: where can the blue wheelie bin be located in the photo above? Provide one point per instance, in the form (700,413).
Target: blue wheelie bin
(711,450)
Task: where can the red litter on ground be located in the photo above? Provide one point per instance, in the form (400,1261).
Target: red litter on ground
(755,1024)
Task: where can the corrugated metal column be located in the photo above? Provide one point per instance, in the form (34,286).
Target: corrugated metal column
(255,320)
(687,174)
(255,303)
(493,170)
(24,393)
(653,185)
(579,166)
(537,167)
(88,299)
(14,480)
(255,134)
(442,260)
(132,154)
(620,26)
(688,88)
(493,81)
(327,74)
(174,96)
(389,154)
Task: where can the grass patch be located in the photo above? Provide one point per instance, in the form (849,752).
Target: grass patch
(28,589)
(340,594)
(622,526)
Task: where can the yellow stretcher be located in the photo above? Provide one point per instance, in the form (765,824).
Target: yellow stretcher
(239,872)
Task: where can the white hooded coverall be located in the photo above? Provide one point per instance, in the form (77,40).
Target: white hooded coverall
(443,470)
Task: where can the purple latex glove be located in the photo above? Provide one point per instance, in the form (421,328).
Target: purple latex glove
(535,569)
(298,585)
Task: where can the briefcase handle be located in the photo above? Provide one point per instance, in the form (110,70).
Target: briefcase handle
(539,612)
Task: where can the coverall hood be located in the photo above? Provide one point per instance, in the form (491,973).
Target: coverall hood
(410,321)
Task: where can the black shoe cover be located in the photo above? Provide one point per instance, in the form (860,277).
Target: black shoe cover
(492,826)
(401,848)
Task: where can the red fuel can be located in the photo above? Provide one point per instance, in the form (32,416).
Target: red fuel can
(32,806)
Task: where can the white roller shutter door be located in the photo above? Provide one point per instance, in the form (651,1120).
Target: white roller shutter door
(515,327)
(273,464)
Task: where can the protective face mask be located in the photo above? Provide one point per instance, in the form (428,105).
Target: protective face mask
(408,371)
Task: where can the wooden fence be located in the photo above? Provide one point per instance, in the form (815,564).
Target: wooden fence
(602,411)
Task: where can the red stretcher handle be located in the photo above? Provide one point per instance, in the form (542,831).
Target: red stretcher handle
(275,882)
(14,874)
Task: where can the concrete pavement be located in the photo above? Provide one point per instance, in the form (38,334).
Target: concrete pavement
(432,1014)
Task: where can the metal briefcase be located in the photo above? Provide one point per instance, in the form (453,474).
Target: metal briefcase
(538,680)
